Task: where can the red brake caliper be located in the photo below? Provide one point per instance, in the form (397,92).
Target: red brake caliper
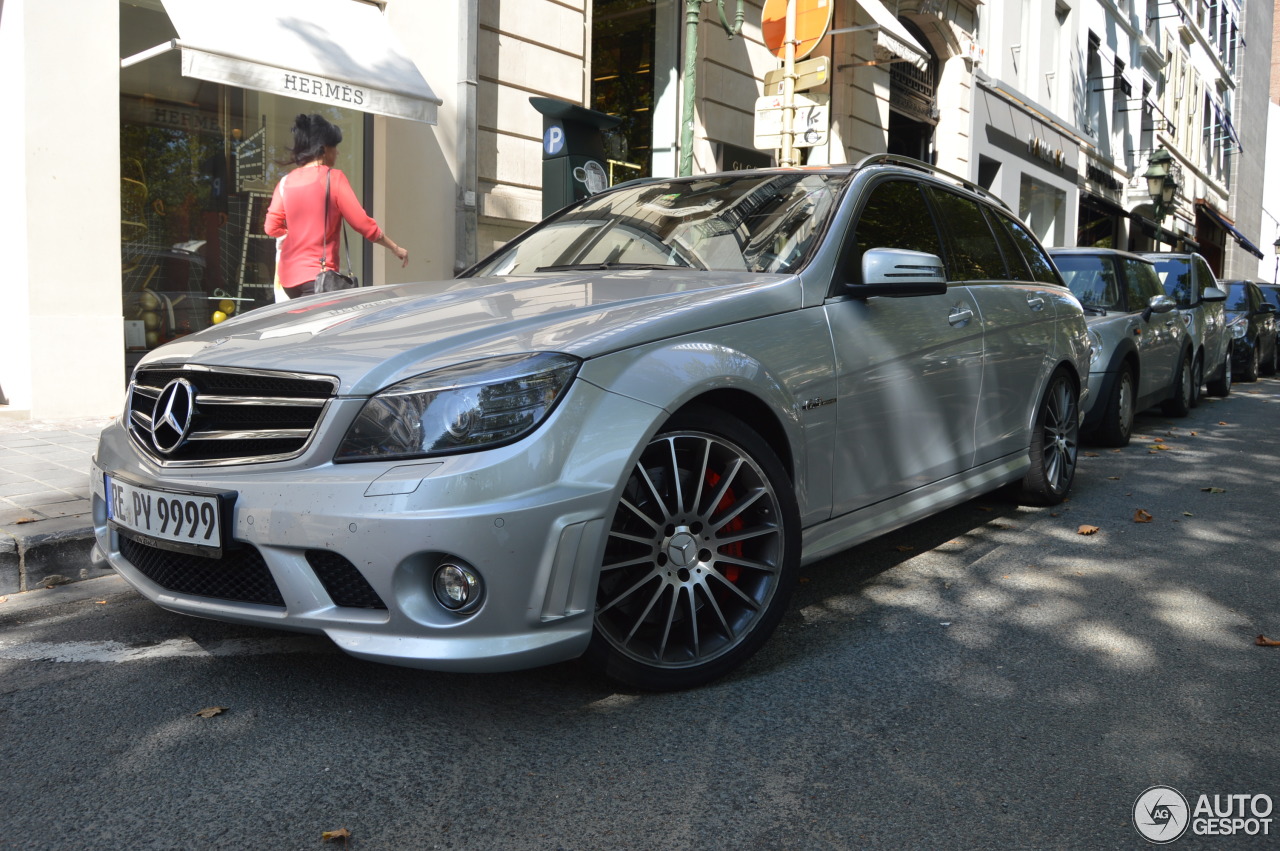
(734,550)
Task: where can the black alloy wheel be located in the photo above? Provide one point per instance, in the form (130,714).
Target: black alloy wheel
(701,559)
(1055,443)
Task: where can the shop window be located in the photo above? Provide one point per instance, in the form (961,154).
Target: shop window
(623,39)
(1043,208)
(199,162)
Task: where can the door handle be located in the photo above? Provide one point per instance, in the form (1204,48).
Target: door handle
(960,316)
(1035,302)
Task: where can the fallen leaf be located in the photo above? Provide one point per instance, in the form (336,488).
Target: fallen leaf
(1117,450)
(1161,446)
(53,580)
(1091,455)
(1263,641)
(330,835)
(1193,434)
(803,579)
(4,599)
(1213,490)
(1087,530)
(1114,478)
(100,602)
(210,711)
(1221,423)
(903,548)
(22,520)
(1187,514)
(1053,514)
(1142,516)
(985,508)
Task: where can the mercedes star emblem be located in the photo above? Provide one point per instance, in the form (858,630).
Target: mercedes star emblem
(174,412)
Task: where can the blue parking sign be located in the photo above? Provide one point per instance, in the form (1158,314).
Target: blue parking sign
(553,140)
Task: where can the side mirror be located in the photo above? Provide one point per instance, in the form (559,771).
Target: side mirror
(1213,294)
(899,272)
(1266,307)
(1158,304)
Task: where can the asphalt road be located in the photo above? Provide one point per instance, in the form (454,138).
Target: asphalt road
(989,678)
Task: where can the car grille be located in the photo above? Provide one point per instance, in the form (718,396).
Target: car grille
(236,416)
(240,575)
(344,583)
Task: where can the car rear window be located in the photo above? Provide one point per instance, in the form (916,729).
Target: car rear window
(1271,294)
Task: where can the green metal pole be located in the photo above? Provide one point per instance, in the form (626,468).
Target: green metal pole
(692,11)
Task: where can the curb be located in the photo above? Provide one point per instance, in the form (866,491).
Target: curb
(54,552)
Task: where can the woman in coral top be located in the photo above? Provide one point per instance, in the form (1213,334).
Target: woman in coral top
(297,210)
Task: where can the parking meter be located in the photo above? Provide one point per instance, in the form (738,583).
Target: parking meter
(573,158)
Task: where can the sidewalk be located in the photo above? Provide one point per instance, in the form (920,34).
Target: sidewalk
(46,529)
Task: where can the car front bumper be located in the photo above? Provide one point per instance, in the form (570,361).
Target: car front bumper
(530,519)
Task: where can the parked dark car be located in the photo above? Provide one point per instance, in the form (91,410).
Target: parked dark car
(1251,321)
(1271,292)
(1141,349)
(1188,279)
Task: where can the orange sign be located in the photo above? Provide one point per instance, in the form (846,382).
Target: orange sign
(812,19)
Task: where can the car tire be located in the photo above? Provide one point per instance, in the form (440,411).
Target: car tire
(702,556)
(1250,373)
(1117,417)
(1197,381)
(1179,404)
(1220,384)
(1269,365)
(1055,443)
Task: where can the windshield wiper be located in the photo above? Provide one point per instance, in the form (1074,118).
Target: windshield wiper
(1096,311)
(605,267)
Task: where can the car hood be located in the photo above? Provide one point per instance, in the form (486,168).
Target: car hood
(375,336)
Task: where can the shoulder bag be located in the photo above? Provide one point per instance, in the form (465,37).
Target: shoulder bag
(331,280)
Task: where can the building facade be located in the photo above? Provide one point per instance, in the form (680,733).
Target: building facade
(148,154)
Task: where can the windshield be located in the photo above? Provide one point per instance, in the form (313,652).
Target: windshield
(753,223)
(1091,278)
(1175,275)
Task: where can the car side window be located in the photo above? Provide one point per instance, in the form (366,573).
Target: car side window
(1205,275)
(1041,266)
(895,216)
(1013,258)
(974,254)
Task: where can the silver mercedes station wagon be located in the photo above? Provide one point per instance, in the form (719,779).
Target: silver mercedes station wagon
(619,437)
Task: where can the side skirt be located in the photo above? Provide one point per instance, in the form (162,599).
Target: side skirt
(854,528)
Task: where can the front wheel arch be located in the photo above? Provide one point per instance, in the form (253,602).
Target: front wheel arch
(701,556)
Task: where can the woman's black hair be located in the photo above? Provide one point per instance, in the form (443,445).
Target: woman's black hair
(311,135)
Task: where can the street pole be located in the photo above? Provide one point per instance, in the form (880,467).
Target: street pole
(787,156)
(692,9)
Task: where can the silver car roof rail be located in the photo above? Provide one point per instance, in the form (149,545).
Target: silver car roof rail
(920,165)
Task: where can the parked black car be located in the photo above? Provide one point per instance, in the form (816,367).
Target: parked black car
(1251,320)
(1271,293)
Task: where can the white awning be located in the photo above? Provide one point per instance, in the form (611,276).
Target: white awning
(893,42)
(336,52)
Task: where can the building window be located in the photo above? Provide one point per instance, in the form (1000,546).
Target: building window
(623,38)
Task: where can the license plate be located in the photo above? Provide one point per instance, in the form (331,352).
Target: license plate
(175,520)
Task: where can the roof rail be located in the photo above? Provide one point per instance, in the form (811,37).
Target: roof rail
(920,165)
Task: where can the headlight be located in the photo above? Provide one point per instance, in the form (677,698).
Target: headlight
(1095,349)
(1239,328)
(461,408)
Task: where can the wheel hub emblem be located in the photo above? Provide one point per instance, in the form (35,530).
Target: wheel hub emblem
(173,414)
(682,550)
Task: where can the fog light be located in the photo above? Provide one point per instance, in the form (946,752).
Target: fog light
(457,588)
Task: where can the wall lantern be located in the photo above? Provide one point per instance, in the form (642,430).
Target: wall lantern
(1162,182)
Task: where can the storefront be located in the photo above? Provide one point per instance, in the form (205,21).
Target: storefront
(206,107)
(1028,159)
